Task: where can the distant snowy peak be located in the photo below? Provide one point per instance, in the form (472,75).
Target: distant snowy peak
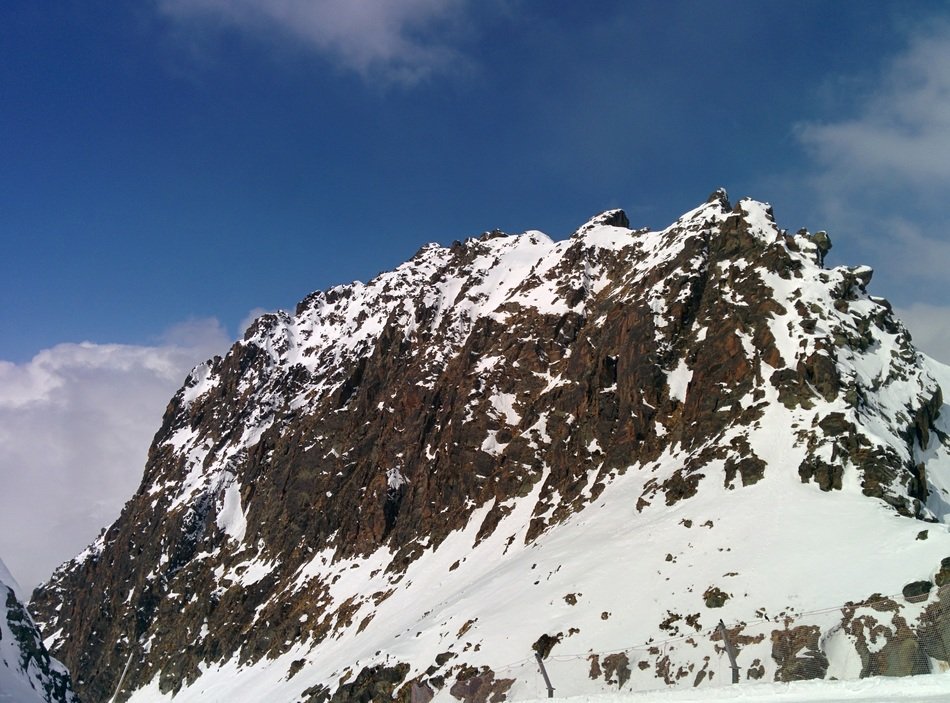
(7,580)
(27,673)
(608,218)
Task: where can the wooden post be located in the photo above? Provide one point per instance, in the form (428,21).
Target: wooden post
(544,673)
(729,650)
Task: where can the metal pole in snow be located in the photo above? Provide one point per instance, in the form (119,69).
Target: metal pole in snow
(122,678)
(729,650)
(544,673)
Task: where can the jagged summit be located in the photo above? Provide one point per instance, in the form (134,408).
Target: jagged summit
(407,482)
(720,196)
(608,218)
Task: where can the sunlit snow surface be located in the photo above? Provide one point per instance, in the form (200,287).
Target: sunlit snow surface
(917,689)
(518,596)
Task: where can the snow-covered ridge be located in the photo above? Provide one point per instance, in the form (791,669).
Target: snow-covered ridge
(436,297)
(27,673)
(505,438)
(442,292)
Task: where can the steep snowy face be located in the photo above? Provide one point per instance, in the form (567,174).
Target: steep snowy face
(406,483)
(27,672)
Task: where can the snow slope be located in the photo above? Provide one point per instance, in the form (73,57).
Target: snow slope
(917,689)
(615,563)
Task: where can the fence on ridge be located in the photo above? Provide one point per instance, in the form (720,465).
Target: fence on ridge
(898,635)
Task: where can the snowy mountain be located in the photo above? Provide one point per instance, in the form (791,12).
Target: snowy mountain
(27,673)
(592,450)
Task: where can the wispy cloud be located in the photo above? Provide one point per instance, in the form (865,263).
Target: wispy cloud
(75,425)
(921,251)
(882,173)
(901,132)
(402,42)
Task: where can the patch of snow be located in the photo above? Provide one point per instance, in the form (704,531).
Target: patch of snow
(491,445)
(678,380)
(395,479)
(909,689)
(200,381)
(504,406)
(231,519)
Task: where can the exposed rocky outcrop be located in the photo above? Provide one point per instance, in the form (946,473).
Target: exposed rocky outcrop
(797,653)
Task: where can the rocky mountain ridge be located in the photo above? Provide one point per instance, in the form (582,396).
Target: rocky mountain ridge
(27,672)
(406,485)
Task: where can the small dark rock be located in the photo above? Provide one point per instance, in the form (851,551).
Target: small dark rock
(714,597)
(917,591)
(546,643)
(798,654)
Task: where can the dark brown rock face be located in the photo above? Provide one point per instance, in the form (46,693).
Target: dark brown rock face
(798,655)
(887,643)
(387,417)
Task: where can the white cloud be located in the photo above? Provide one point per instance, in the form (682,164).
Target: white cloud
(901,134)
(75,425)
(881,175)
(403,41)
(920,252)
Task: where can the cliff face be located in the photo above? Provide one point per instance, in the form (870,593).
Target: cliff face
(404,484)
(27,672)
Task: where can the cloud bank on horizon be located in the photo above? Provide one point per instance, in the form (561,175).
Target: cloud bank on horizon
(76,422)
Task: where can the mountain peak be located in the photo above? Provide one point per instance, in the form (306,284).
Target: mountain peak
(410,483)
(720,196)
(608,218)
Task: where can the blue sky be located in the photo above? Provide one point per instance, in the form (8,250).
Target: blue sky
(168,168)
(199,158)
